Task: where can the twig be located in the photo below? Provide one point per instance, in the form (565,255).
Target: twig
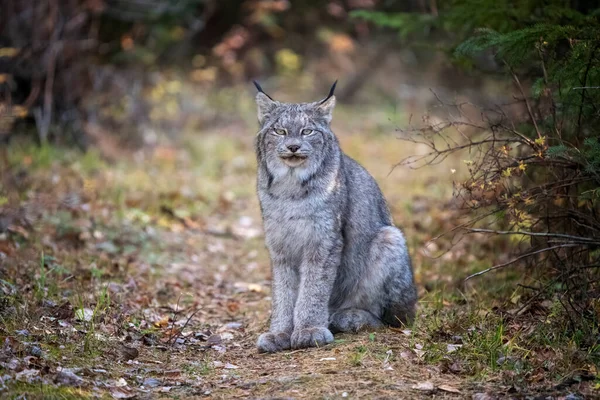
(485,271)
(529,110)
(173,324)
(546,82)
(187,321)
(545,234)
(585,78)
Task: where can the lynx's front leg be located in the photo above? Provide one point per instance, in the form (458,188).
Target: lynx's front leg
(311,314)
(284,293)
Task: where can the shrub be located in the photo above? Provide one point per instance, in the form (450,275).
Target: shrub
(533,175)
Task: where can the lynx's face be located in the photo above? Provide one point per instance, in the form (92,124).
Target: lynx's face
(293,135)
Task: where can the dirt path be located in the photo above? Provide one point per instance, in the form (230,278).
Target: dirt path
(147,277)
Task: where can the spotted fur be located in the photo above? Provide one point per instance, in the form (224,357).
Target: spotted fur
(338,262)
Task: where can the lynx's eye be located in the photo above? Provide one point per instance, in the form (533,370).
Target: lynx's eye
(281,132)
(307,132)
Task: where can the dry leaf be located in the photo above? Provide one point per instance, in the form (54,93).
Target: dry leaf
(448,388)
(426,386)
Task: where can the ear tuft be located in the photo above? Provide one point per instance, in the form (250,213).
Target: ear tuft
(331,91)
(260,89)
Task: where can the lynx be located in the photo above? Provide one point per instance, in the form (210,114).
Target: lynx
(338,262)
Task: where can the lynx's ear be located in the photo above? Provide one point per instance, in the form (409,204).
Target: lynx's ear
(325,107)
(265,103)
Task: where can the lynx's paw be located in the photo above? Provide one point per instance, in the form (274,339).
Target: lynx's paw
(311,337)
(273,342)
(352,320)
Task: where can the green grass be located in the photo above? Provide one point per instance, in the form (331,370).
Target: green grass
(21,390)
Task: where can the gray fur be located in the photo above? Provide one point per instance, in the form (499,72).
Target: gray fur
(338,262)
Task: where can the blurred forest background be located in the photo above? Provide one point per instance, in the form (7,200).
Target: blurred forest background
(129,226)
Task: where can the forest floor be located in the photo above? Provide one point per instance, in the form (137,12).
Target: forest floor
(146,276)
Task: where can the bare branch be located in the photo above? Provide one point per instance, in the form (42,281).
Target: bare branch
(543,234)
(485,271)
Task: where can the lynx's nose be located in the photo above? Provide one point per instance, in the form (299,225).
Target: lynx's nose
(293,147)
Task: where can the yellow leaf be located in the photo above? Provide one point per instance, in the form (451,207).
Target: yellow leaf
(507,172)
(20,111)
(8,51)
(522,166)
(540,141)
(163,322)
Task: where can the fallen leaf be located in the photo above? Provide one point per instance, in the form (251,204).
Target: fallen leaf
(120,382)
(426,386)
(84,314)
(448,388)
(67,377)
(451,348)
(163,322)
(123,393)
(27,375)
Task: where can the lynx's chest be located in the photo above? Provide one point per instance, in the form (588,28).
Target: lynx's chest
(298,218)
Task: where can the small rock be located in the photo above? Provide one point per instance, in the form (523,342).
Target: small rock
(129,353)
(233,325)
(68,377)
(35,351)
(482,396)
(573,396)
(456,367)
(214,340)
(151,382)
